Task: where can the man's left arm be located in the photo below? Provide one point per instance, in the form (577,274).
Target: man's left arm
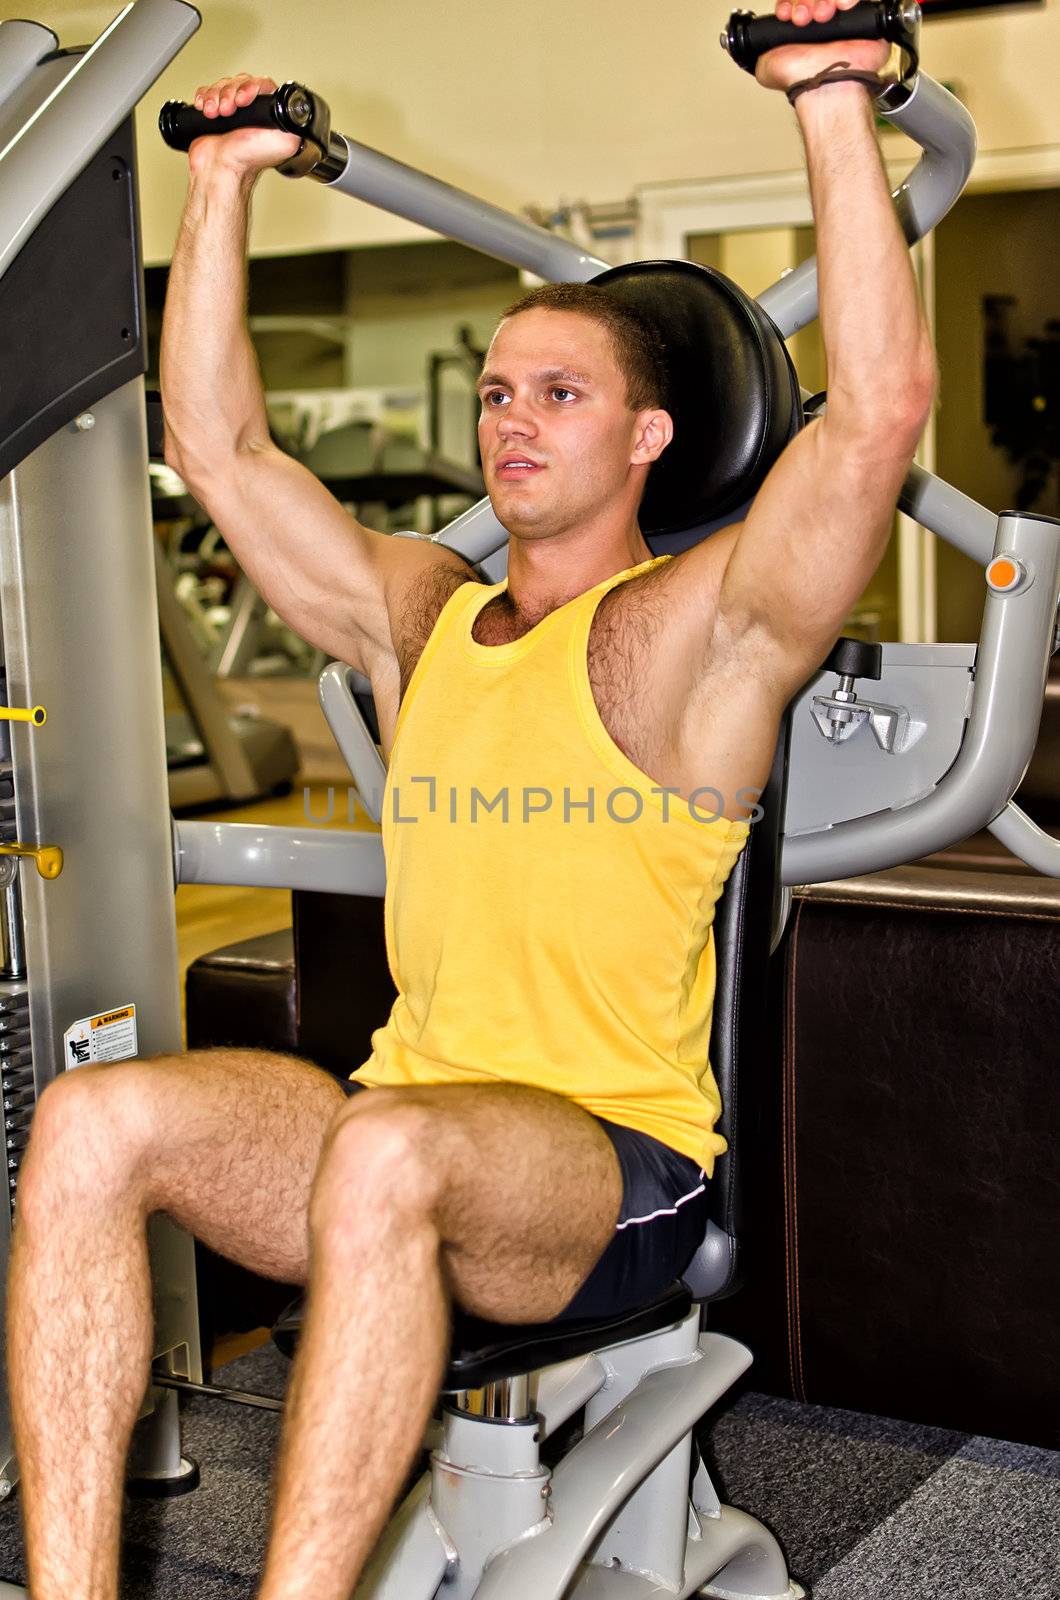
(819,525)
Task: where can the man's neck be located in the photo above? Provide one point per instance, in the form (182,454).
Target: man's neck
(542,575)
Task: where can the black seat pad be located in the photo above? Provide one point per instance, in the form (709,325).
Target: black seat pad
(731,391)
(487,1352)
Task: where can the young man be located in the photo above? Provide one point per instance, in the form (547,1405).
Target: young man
(541,1088)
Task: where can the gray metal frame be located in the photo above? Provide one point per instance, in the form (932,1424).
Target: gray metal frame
(76,574)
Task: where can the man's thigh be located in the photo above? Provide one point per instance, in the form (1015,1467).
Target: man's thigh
(527,1189)
(226,1141)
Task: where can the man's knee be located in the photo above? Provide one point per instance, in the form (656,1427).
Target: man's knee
(382,1161)
(88,1134)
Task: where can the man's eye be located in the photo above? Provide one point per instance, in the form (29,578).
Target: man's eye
(563,395)
(492,398)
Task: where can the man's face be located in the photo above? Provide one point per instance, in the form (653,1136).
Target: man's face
(556,433)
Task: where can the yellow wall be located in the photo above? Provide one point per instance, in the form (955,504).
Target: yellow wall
(580,98)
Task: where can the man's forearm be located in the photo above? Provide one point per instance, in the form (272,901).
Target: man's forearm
(211,386)
(877,344)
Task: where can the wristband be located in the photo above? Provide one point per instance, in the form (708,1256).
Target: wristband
(839,72)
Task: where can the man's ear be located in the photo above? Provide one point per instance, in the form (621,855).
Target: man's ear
(653,432)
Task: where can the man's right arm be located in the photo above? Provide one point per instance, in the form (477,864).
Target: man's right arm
(334,581)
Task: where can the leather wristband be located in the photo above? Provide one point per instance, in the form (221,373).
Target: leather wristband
(839,72)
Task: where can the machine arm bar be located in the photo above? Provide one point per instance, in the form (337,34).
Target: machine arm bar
(936,121)
(954,516)
(352,735)
(366,174)
(1025,839)
(1015,645)
(97,94)
(22,46)
(382,181)
(339,860)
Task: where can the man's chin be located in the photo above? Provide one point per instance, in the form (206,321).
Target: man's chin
(521,521)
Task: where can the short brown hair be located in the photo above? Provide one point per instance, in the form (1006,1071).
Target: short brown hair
(637,347)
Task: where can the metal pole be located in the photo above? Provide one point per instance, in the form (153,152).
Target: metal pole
(369,175)
(97,94)
(938,122)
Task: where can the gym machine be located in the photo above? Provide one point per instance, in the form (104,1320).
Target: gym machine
(89,954)
(934,751)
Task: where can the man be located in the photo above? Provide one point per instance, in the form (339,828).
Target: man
(544,1068)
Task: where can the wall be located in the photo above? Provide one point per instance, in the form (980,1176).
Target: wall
(583,101)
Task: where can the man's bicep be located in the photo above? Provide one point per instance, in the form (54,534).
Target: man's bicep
(813,538)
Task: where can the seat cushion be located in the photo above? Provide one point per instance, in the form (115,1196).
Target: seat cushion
(245,994)
(486,1352)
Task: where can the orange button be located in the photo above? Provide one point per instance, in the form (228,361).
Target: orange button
(1003,573)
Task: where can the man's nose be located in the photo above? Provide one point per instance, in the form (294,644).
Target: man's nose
(517,418)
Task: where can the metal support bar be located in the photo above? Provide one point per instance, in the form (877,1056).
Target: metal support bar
(954,516)
(22,46)
(353,736)
(55,144)
(405,192)
(239,853)
(213,1391)
(1025,839)
(938,122)
(1011,668)
(603,1470)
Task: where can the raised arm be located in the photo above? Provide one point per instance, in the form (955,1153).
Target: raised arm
(337,583)
(819,525)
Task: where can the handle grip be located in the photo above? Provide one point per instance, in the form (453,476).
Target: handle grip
(748,37)
(292,109)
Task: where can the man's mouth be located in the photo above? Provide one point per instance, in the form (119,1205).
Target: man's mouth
(513,467)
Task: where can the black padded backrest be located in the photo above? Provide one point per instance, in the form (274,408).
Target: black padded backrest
(735,403)
(739,1040)
(731,390)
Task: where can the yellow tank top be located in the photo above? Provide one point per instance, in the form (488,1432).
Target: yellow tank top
(548,906)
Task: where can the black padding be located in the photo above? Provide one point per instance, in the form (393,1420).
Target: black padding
(486,1352)
(732,390)
(245,995)
(71,324)
(739,1044)
(345,990)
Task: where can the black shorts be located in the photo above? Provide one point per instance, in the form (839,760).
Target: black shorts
(661,1224)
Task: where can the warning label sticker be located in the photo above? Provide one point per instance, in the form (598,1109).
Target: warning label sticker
(110,1036)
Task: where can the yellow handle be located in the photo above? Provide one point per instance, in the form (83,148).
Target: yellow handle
(35,714)
(49,857)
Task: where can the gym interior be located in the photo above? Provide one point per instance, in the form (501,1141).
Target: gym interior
(860,1395)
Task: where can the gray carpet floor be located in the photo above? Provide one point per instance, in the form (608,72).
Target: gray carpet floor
(866,1508)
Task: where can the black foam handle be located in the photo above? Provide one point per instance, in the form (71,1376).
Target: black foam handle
(749,37)
(180,123)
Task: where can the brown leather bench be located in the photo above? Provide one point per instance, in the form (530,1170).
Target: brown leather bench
(907,1198)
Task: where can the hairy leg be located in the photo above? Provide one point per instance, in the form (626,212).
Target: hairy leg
(500,1197)
(227,1143)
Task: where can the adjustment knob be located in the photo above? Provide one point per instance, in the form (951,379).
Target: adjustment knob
(855,658)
